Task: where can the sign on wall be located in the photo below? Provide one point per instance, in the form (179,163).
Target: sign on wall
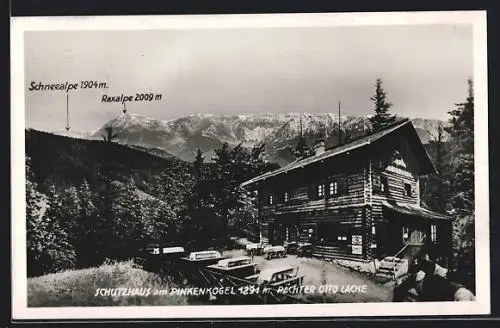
(357,240)
(357,249)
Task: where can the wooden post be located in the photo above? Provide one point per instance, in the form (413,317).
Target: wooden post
(323,277)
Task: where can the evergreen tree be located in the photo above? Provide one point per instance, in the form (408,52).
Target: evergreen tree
(172,188)
(70,205)
(35,226)
(196,197)
(440,206)
(435,188)
(461,131)
(128,218)
(160,222)
(106,229)
(233,166)
(49,249)
(198,164)
(85,232)
(382,116)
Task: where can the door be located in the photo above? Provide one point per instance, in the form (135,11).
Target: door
(413,236)
(279,234)
(414,239)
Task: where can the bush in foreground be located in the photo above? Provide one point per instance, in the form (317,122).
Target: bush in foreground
(78,287)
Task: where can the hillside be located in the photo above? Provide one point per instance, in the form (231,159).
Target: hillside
(182,137)
(65,162)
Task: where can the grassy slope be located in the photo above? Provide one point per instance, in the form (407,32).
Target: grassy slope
(78,287)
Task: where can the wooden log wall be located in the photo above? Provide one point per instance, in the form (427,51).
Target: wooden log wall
(313,225)
(359,208)
(398,172)
(302,198)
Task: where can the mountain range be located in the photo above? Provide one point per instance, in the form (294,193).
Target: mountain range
(182,137)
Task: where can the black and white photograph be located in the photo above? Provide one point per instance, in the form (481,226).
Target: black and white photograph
(250,165)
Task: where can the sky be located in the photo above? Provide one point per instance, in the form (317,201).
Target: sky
(424,69)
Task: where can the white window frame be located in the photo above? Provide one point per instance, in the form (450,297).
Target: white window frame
(333,189)
(321,190)
(383,184)
(405,231)
(410,189)
(433,233)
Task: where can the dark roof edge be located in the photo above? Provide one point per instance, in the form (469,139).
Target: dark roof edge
(418,210)
(397,124)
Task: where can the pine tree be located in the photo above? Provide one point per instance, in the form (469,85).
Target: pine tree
(35,226)
(33,198)
(160,221)
(196,197)
(198,164)
(462,134)
(382,116)
(443,174)
(435,188)
(85,232)
(461,131)
(70,204)
(233,166)
(106,230)
(49,246)
(128,217)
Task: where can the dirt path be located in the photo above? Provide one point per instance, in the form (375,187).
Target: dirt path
(334,275)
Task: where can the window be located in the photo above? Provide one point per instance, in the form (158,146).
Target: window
(270,200)
(384,185)
(407,190)
(405,234)
(380,184)
(327,232)
(433,233)
(337,187)
(321,190)
(333,188)
(286,197)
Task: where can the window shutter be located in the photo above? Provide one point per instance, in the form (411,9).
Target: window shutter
(376,182)
(342,185)
(311,191)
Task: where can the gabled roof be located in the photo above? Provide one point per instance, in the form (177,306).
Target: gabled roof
(357,143)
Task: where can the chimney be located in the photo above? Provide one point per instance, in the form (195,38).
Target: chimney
(319,147)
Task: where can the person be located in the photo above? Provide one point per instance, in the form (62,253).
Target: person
(430,267)
(432,287)
(428,280)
